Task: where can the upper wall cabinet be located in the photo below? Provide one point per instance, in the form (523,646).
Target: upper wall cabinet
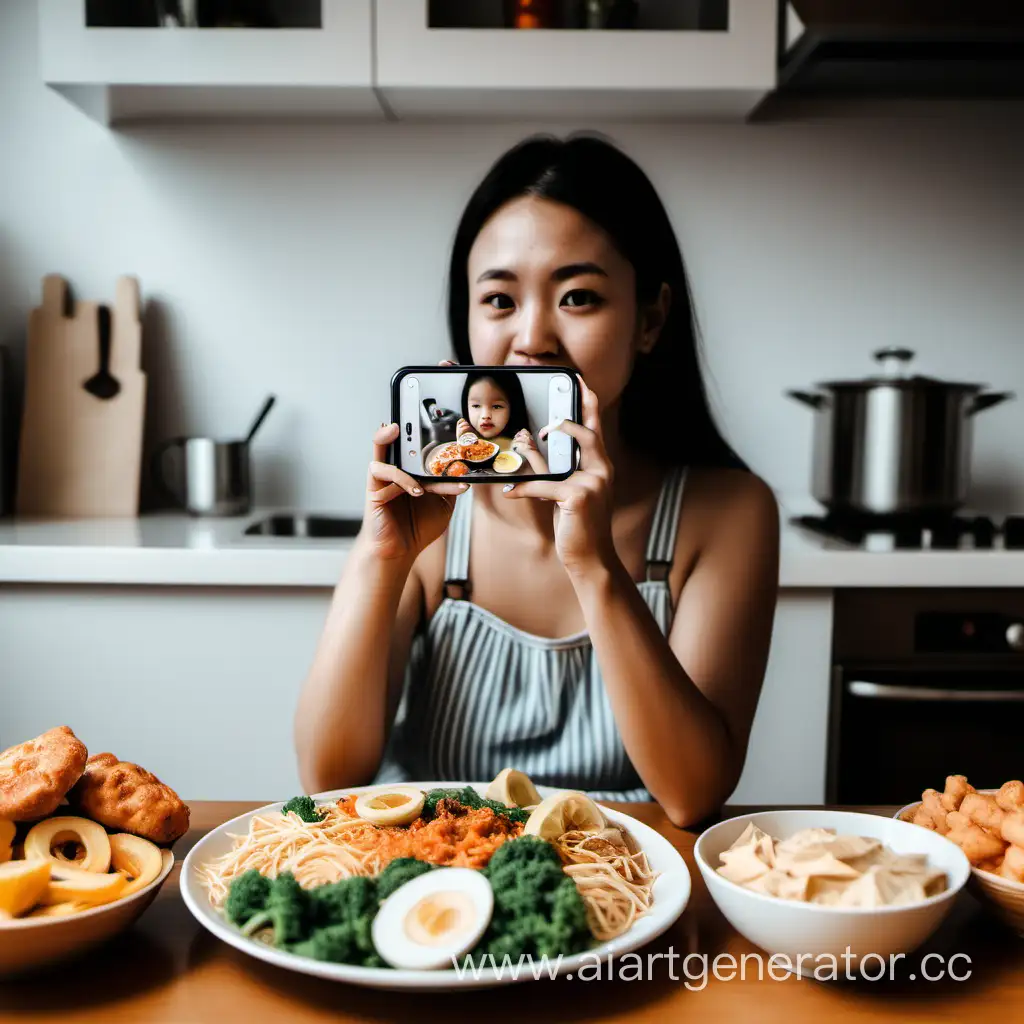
(129,60)
(575,58)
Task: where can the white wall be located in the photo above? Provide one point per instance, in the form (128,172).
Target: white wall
(311,259)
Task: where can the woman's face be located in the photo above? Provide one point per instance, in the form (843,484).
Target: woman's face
(488,408)
(548,288)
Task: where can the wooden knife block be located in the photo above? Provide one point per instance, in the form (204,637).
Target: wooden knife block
(81,455)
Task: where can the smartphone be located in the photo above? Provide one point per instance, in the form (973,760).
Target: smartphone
(480,424)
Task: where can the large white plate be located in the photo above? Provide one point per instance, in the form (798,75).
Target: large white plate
(671,894)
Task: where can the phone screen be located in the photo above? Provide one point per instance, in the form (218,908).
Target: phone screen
(481,424)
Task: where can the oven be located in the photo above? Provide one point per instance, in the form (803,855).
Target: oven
(925,684)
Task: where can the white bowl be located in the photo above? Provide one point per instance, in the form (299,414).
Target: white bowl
(507,454)
(794,929)
(28,943)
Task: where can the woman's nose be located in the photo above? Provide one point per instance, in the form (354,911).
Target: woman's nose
(536,335)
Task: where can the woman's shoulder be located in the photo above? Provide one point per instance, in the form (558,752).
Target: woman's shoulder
(734,504)
(728,491)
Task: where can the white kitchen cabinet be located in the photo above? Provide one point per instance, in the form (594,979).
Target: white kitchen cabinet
(381,58)
(117,75)
(199,683)
(478,72)
(787,753)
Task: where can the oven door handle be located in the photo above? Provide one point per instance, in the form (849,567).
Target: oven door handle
(925,694)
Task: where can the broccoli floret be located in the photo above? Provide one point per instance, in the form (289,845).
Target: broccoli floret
(516,853)
(286,910)
(538,910)
(329,922)
(340,944)
(344,899)
(289,906)
(352,903)
(247,897)
(512,937)
(304,807)
(336,943)
(570,932)
(560,929)
(469,797)
(398,872)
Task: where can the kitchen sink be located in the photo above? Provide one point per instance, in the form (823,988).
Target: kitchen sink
(303,526)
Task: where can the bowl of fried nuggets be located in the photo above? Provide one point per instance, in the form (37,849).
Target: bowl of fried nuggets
(988,825)
(84,847)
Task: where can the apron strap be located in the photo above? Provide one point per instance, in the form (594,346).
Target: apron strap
(661,544)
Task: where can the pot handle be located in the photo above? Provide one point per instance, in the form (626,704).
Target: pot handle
(815,401)
(986,401)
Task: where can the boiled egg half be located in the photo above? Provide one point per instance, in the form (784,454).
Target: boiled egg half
(393,805)
(436,916)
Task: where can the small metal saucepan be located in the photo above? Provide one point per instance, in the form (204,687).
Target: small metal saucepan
(894,444)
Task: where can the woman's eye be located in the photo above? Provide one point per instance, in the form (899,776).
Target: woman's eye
(581,297)
(499,300)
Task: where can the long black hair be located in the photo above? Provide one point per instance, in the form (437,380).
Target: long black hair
(665,397)
(508,383)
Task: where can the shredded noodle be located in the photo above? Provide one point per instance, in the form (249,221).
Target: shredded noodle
(615,881)
(338,846)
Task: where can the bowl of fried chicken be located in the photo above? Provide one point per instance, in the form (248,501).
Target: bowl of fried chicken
(85,846)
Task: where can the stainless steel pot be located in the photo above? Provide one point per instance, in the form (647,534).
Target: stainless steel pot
(212,478)
(894,444)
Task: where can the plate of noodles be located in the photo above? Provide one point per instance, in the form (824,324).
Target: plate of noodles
(427,885)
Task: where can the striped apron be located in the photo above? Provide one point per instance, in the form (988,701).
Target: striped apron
(480,695)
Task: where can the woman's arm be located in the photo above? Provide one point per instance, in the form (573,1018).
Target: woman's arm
(350,695)
(686,729)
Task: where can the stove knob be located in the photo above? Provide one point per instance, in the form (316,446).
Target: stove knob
(984,531)
(1013,533)
(1015,636)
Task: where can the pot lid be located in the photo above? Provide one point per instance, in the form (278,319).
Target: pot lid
(894,373)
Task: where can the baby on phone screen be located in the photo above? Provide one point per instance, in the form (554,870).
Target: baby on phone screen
(496,411)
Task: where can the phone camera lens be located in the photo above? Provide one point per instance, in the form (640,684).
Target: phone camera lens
(408,429)
(563,387)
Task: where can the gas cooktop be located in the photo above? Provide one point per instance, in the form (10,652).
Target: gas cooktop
(903,533)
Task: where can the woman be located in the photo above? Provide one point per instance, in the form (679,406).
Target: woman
(608,632)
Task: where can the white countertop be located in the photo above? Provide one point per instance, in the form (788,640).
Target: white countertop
(171,549)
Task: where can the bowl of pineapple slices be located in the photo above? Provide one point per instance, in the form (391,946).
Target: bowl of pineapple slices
(70,879)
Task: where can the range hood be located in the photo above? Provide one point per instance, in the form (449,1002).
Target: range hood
(903,49)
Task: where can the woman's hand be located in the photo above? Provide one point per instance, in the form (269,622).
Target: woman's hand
(402,516)
(583,517)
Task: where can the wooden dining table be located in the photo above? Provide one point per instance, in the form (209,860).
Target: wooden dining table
(168,969)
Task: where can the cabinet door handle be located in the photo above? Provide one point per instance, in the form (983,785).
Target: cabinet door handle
(922,694)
